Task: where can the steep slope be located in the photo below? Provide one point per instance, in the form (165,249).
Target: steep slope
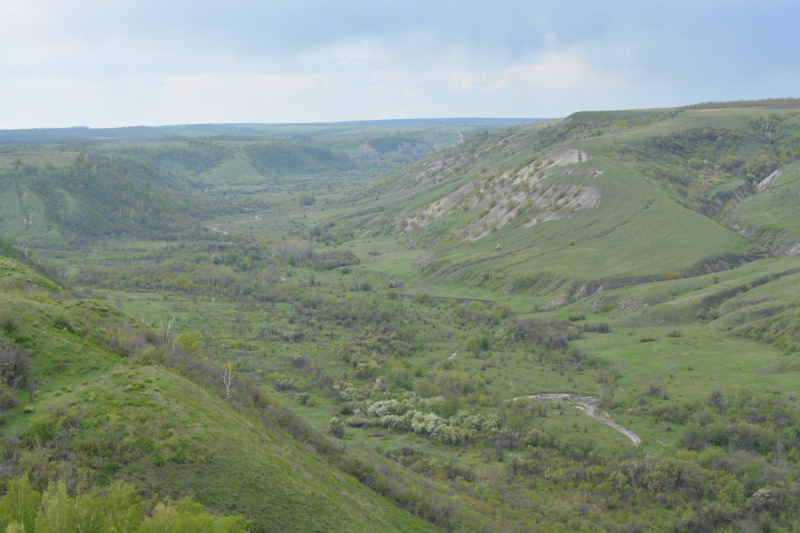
(91,415)
(279,159)
(591,202)
(771,216)
(88,194)
(382,147)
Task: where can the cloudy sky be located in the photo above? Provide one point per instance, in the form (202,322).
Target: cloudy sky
(141,62)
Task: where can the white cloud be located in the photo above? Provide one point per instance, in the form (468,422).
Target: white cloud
(100,63)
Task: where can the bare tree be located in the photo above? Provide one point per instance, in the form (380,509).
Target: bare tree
(717,401)
(301,249)
(165,333)
(227,379)
(14,365)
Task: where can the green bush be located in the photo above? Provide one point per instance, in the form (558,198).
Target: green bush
(62,321)
(42,426)
(7,400)
(7,322)
(421,298)
(576,316)
(306,199)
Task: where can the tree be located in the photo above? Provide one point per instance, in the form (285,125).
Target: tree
(515,463)
(19,505)
(307,199)
(227,379)
(472,345)
(183,282)
(123,507)
(88,514)
(56,514)
(116,509)
(14,363)
(190,342)
(166,332)
(425,388)
(189,517)
(336,427)
(717,401)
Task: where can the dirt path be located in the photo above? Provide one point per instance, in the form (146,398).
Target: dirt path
(215,228)
(22,200)
(587,404)
(257,218)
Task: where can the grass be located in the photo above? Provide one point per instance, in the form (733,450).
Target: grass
(646,261)
(19,227)
(775,207)
(163,433)
(225,460)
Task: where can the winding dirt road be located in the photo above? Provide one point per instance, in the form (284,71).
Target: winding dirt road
(587,404)
(215,227)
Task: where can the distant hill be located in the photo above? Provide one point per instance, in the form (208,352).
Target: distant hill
(279,159)
(82,134)
(598,199)
(381,147)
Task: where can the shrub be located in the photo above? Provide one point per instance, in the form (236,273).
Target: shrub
(7,322)
(333,259)
(62,321)
(717,401)
(656,391)
(307,199)
(7,400)
(602,327)
(42,426)
(336,427)
(425,388)
(421,298)
(14,365)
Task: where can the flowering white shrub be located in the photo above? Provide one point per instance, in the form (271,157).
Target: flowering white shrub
(394,422)
(383,408)
(427,402)
(426,423)
(347,393)
(479,423)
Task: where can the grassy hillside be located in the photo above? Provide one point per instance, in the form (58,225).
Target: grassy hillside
(96,416)
(65,184)
(278,159)
(597,198)
(587,324)
(770,217)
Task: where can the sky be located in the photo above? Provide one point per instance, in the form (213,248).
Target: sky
(103,63)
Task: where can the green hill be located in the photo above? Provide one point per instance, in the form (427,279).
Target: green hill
(595,199)
(92,195)
(585,324)
(770,216)
(97,416)
(279,159)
